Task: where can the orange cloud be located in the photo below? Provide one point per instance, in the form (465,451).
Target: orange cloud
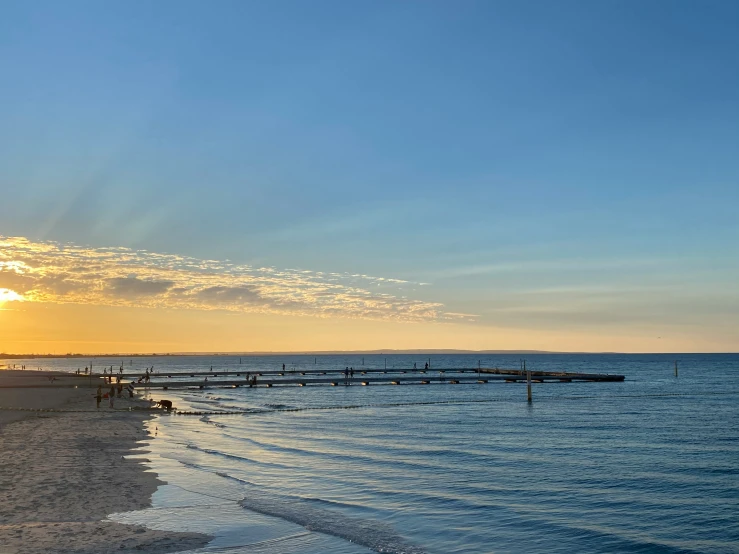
(66,273)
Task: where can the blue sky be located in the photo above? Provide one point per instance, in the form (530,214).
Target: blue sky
(539,163)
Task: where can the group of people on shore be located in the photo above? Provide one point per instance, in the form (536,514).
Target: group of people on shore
(115,390)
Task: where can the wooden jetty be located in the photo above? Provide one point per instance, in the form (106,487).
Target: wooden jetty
(331,381)
(363,377)
(513,374)
(562,376)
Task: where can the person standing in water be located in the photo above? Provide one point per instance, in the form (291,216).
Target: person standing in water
(111,396)
(99,395)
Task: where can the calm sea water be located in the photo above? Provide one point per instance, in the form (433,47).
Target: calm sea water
(647,465)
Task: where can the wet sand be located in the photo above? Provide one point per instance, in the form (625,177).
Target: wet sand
(63,472)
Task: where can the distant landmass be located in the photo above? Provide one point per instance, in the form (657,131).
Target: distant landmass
(293,353)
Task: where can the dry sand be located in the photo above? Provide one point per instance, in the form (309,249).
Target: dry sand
(62,473)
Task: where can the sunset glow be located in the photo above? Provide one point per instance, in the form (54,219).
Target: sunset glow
(388,175)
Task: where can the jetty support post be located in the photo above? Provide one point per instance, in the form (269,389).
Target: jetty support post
(675,368)
(528,382)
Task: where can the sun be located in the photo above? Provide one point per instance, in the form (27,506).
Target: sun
(7,295)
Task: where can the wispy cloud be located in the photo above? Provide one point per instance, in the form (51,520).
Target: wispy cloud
(543,266)
(47,271)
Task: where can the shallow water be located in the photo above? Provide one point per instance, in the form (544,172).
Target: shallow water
(647,465)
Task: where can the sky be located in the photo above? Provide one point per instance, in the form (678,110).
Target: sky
(294,176)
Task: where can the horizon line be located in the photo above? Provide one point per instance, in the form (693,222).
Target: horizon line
(389,351)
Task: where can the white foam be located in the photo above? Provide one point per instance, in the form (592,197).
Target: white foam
(375,535)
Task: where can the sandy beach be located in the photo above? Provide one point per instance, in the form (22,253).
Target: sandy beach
(63,471)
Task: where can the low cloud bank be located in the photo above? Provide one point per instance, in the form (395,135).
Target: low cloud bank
(66,273)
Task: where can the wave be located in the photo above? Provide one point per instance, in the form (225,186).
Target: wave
(209,470)
(226,455)
(372,534)
(368,457)
(232,478)
(375,535)
(206,419)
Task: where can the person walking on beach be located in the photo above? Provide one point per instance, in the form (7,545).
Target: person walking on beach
(111,396)
(99,395)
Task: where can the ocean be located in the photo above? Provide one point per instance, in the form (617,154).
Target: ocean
(650,464)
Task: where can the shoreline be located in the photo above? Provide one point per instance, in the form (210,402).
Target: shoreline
(65,467)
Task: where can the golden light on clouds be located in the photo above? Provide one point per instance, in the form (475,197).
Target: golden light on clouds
(52,272)
(7,295)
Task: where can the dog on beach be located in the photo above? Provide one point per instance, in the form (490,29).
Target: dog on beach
(165,404)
